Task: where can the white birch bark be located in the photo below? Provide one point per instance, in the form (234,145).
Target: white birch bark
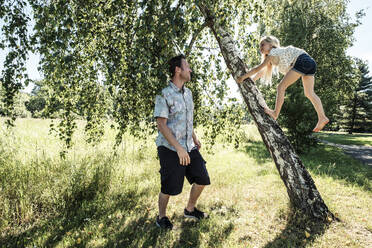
(300,186)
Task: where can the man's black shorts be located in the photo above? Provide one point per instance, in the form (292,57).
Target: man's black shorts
(172,173)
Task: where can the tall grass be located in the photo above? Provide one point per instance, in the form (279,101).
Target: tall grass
(97,198)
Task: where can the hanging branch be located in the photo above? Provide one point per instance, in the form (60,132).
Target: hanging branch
(193,39)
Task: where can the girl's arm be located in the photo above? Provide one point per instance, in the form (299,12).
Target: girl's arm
(258,75)
(254,70)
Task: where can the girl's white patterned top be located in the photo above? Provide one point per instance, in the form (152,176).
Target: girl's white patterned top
(287,57)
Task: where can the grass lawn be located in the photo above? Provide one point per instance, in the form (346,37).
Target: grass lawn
(95,198)
(343,138)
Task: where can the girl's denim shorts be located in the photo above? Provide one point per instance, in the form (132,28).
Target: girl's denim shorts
(305,65)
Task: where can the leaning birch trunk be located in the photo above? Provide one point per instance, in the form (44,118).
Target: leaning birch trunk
(301,189)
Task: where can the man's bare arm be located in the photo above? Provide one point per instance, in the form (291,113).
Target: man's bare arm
(167,133)
(195,139)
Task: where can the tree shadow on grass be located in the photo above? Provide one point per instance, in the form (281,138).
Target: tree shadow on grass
(85,206)
(300,231)
(258,151)
(331,161)
(323,160)
(191,233)
(141,231)
(216,229)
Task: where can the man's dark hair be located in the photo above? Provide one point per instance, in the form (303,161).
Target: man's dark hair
(175,61)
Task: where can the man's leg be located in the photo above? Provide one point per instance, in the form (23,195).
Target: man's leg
(195,192)
(163,203)
(162,220)
(197,175)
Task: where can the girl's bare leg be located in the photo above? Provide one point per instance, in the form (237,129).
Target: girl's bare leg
(308,83)
(287,81)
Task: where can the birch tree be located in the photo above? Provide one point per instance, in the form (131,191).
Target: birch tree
(301,188)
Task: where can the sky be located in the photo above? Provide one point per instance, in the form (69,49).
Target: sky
(362,47)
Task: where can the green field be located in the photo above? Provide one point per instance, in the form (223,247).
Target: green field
(96,198)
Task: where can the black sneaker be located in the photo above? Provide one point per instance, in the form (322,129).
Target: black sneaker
(196,214)
(164,223)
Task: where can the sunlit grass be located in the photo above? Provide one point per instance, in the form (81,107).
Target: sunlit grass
(364,139)
(94,198)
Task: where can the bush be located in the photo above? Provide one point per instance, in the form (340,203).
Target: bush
(298,118)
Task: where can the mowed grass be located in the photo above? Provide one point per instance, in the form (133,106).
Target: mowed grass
(343,138)
(95,198)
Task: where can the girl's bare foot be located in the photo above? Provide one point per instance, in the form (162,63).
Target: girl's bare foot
(321,123)
(271,113)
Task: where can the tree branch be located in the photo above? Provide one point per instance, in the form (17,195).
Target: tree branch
(178,48)
(178,5)
(193,39)
(208,48)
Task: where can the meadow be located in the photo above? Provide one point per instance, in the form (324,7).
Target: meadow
(98,197)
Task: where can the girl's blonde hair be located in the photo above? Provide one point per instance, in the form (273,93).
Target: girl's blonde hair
(269,69)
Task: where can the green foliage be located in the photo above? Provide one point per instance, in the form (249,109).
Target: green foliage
(109,60)
(355,114)
(15,39)
(325,31)
(18,108)
(299,118)
(35,105)
(225,122)
(37,102)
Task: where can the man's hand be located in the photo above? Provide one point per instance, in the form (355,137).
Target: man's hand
(184,156)
(197,143)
